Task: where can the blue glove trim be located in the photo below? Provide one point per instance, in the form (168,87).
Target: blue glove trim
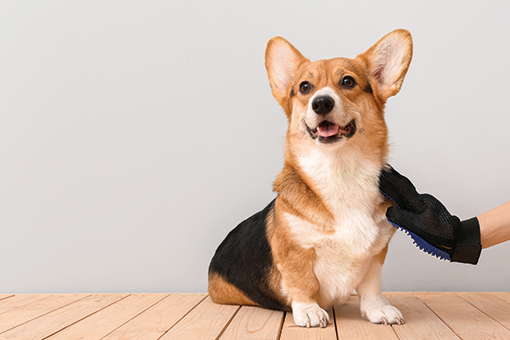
(424,245)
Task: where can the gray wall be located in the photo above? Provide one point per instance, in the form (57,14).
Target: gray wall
(135,135)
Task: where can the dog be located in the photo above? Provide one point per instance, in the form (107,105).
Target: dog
(325,234)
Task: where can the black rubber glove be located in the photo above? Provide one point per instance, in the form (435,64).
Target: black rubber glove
(428,222)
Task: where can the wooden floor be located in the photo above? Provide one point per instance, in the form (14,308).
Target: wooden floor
(195,316)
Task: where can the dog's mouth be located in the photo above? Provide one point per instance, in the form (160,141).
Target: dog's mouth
(327,132)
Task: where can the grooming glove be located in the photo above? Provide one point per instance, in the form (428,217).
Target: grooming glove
(433,229)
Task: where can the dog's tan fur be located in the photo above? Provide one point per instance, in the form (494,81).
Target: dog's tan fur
(328,233)
(226,293)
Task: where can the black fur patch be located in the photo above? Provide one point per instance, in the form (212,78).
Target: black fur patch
(244,259)
(292,94)
(368,88)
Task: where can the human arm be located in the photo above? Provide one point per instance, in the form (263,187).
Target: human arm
(495,225)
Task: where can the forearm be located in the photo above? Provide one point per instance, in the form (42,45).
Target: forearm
(495,225)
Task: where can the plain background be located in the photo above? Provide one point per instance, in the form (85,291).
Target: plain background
(135,134)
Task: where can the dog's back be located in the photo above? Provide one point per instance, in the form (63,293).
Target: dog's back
(239,270)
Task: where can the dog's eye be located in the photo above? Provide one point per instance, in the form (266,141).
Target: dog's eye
(348,82)
(305,87)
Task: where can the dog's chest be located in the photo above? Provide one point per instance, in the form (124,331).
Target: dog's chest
(342,257)
(359,232)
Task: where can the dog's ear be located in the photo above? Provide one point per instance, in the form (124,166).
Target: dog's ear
(282,62)
(388,61)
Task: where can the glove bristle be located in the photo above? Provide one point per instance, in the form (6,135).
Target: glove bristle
(424,245)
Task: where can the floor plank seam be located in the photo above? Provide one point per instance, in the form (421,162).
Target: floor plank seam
(137,315)
(7,297)
(483,312)
(393,330)
(280,330)
(21,306)
(334,322)
(228,323)
(447,325)
(396,333)
(500,298)
(195,306)
(80,320)
(39,316)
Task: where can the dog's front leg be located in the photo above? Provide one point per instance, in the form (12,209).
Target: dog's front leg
(373,304)
(309,314)
(301,287)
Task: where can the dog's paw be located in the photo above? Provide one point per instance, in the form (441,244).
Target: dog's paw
(309,315)
(384,314)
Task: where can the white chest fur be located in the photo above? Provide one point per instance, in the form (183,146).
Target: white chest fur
(360,231)
(342,258)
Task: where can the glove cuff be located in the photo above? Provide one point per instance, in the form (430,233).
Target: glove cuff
(468,246)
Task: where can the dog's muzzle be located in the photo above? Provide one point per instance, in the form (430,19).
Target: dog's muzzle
(328,132)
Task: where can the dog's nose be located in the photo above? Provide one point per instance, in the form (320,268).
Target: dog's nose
(323,105)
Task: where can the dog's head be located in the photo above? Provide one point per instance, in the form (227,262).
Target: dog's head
(331,102)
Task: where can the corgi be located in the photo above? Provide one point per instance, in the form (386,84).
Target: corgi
(325,234)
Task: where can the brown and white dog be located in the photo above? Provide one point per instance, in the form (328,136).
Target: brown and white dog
(326,232)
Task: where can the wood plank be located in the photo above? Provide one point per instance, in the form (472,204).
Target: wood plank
(157,320)
(350,324)
(502,295)
(292,332)
(491,305)
(5,296)
(59,319)
(33,310)
(17,301)
(195,316)
(254,323)
(110,318)
(463,318)
(420,321)
(206,321)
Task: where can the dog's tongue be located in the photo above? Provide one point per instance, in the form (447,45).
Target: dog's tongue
(328,129)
